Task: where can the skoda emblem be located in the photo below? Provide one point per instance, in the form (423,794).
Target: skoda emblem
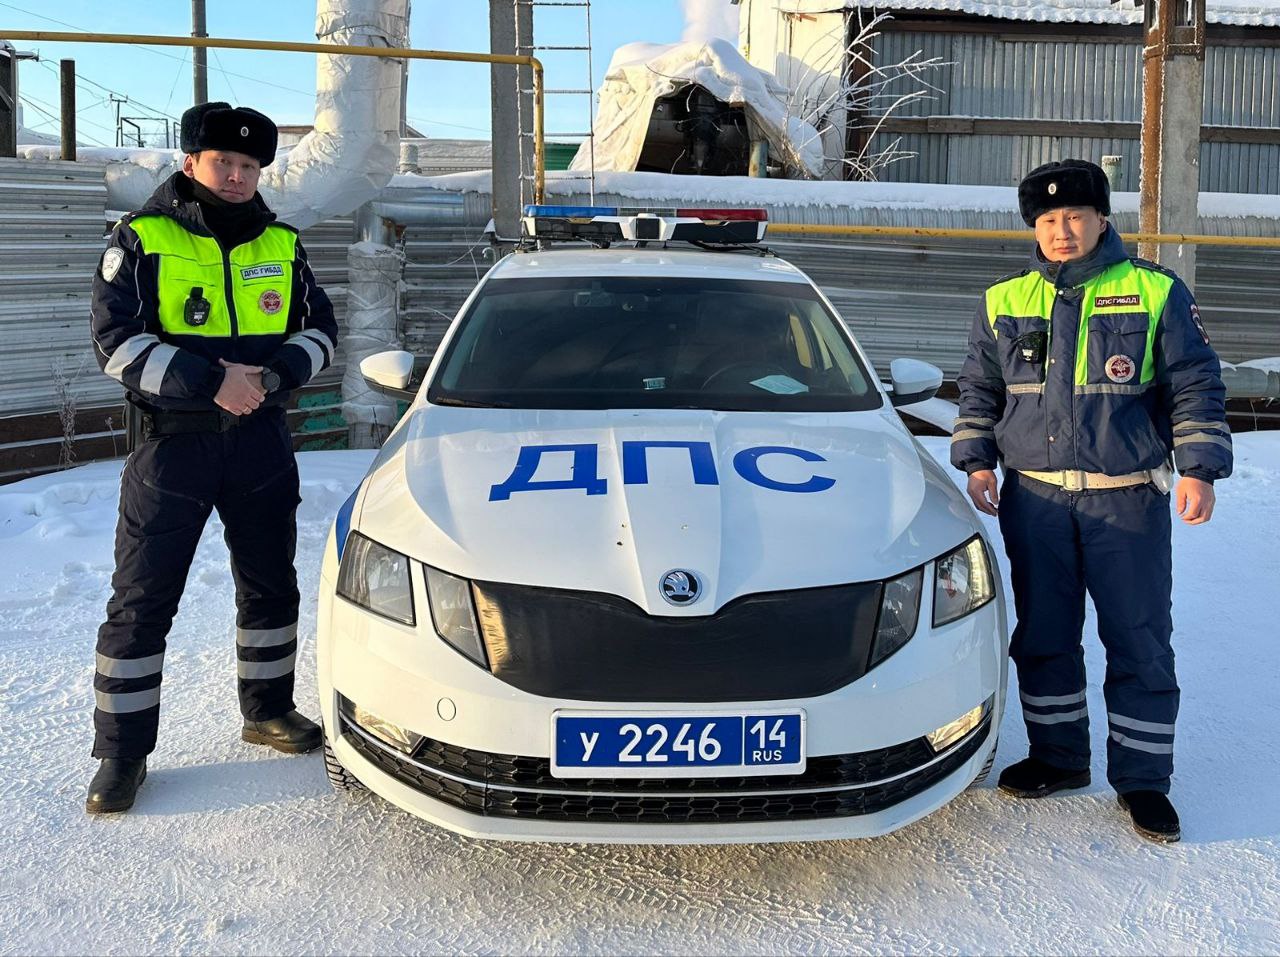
(680,587)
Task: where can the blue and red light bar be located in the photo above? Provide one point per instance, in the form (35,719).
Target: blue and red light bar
(616,223)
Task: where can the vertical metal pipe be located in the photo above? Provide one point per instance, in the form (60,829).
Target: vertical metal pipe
(759,165)
(200,55)
(1173,111)
(8,100)
(1158,21)
(504,118)
(68,111)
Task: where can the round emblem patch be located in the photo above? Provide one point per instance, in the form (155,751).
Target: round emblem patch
(114,256)
(1053,188)
(244,131)
(270,302)
(1120,368)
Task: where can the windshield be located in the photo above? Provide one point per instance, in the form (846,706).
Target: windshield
(642,343)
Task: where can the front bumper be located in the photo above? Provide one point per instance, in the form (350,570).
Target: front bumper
(512,786)
(485,769)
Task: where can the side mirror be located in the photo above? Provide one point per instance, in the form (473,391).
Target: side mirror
(389,373)
(913,381)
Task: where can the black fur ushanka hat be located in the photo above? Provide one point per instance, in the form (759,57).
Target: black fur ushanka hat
(220,126)
(1071,182)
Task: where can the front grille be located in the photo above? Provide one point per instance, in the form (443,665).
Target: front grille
(589,646)
(486,784)
(518,771)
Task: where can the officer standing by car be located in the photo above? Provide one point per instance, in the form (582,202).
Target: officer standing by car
(1085,372)
(206,310)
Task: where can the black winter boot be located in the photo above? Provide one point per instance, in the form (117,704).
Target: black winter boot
(1152,815)
(115,785)
(290,733)
(1032,778)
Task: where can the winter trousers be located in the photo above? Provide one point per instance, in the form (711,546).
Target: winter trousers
(1114,544)
(167,491)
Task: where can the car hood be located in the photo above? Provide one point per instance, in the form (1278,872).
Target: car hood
(445,490)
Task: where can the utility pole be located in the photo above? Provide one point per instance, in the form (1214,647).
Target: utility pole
(116,101)
(511,110)
(1172,110)
(67,72)
(199,55)
(8,99)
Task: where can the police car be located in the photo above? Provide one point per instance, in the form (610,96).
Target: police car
(651,558)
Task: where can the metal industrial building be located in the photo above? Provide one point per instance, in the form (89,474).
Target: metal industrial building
(1028,81)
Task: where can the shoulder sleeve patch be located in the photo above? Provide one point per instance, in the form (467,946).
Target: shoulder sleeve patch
(111,261)
(1195,317)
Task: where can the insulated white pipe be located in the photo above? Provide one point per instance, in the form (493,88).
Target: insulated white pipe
(348,157)
(352,152)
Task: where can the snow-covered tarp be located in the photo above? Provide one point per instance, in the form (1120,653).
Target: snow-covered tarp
(1242,13)
(233,849)
(641,73)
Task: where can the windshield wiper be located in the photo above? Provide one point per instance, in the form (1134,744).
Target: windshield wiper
(469,403)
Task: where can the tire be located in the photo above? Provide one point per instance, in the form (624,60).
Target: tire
(339,777)
(982,775)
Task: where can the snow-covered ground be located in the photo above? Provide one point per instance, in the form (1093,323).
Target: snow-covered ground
(236,849)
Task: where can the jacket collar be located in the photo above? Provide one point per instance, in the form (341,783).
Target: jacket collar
(176,199)
(1109,251)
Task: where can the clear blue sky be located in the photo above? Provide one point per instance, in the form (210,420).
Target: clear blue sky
(445,100)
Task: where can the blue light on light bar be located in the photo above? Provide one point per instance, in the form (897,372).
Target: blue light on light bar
(570,212)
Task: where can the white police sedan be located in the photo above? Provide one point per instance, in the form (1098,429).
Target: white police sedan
(652,558)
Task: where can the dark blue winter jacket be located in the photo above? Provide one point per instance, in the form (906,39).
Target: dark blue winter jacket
(1100,364)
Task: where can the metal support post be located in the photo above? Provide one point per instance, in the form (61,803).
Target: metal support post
(1172,109)
(8,100)
(510,28)
(68,75)
(199,56)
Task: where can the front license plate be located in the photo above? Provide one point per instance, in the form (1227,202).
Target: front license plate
(593,744)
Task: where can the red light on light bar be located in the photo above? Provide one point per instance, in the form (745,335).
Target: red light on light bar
(728,215)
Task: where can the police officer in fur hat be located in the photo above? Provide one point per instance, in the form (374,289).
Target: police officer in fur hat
(1089,372)
(206,311)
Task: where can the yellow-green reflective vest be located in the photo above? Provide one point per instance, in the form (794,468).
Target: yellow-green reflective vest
(257,287)
(1119,304)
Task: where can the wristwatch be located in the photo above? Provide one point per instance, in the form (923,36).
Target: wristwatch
(270,380)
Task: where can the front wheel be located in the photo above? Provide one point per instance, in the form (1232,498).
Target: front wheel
(986,768)
(339,777)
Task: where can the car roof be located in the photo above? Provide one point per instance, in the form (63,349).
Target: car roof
(664,263)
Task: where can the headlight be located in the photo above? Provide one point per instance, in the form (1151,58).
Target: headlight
(377,578)
(899,609)
(962,582)
(454,614)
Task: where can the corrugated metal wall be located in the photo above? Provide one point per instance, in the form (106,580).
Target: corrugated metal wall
(900,298)
(1017,77)
(926,317)
(51,222)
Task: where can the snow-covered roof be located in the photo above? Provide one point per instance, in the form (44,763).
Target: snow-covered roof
(1242,13)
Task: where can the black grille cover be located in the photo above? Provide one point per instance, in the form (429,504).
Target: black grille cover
(592,646)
